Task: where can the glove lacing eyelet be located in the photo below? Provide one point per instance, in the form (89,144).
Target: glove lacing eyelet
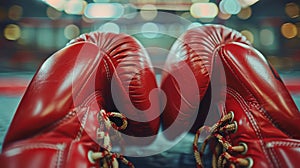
(222,157)
(109,159)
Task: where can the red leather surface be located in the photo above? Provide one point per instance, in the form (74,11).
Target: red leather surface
(262,106)
(193,49)
(15,86)
(46,127)
(135,79)
(64,144)
(285,152)
(49,97)
(259,84)
(56,122)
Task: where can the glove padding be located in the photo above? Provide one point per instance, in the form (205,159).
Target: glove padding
(58,121)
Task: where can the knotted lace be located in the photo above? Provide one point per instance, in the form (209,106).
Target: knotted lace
(223,150)
(107,158)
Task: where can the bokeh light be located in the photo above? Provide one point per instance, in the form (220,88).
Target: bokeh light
(245,13)
(266,37)
(289,30)
(15,12)
(12,32)
(71,31)
(292,10)
(249,35)
(267,29)
(148,12)
(87,20)
(104,10)
(150,30)
(110,27)
(75,7)
(224,16)
(204,10)
(230,6)
(53,13)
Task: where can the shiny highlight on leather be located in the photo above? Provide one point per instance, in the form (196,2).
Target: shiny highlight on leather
(263,109)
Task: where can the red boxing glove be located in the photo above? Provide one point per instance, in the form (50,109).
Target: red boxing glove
(186,81)
(131,85)
(63,117)
(260,122)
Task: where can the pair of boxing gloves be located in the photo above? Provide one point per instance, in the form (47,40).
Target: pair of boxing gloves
(103,83)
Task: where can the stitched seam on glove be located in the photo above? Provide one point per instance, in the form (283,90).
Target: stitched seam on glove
(275,158)
(252,121)
(248,91)
(249,115)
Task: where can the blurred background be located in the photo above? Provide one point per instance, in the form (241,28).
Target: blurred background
(32,30)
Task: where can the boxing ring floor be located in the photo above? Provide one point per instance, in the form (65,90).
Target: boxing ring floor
(13,85)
